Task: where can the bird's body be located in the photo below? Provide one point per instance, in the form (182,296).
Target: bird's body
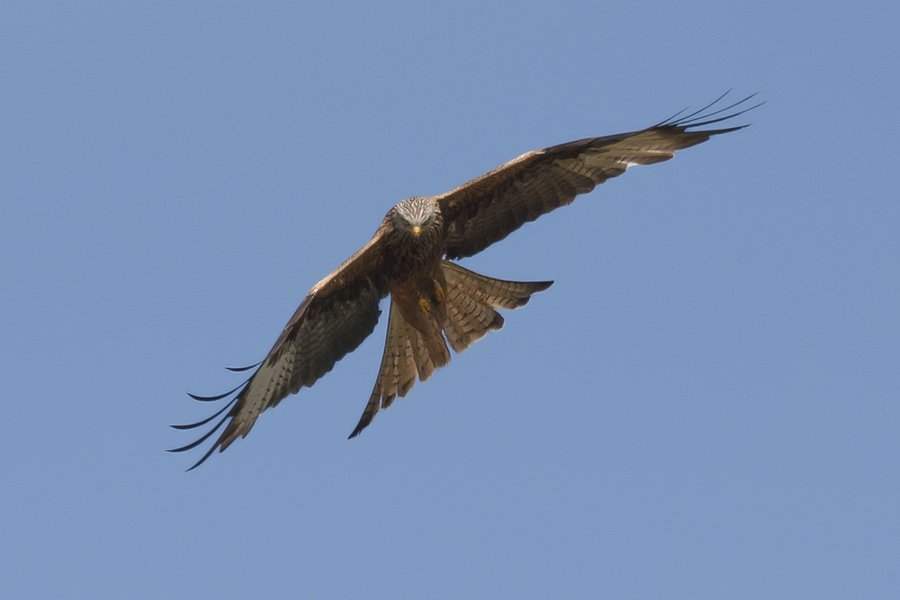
(436,304)
(413,246)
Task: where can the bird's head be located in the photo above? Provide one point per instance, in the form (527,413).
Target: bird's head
(415,215)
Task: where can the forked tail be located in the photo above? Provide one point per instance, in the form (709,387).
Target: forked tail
(467,314)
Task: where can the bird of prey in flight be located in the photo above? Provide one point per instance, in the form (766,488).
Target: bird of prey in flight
(434,301)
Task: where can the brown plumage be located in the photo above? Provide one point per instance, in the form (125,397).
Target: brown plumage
(434,301)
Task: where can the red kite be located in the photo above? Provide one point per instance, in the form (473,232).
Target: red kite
(435,301)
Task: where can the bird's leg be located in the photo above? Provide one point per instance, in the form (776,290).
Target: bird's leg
(428,302)
(438,293)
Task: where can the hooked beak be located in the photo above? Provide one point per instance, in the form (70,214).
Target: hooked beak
(416,230)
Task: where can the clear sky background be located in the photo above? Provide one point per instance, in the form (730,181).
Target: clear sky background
(705,405)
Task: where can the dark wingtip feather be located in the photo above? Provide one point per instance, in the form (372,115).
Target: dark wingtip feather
(206,420)
(202,458)
(228,409)
(220,396)
(202,439)
(671,119)
(677,119)
(687,118)
(701,118)
(242,369)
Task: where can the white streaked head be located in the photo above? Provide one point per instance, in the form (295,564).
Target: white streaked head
(415,214)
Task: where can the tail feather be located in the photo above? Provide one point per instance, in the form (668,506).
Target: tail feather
(466,314)
(497,293)
(408,353)
(472,298)
(467,320)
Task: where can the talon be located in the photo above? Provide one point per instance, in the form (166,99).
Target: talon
(424,305)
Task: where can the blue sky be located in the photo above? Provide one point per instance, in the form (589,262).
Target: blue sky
(705,405)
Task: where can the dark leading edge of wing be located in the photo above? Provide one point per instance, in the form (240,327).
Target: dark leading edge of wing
(490,207)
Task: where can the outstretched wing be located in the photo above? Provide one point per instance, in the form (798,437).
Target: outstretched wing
(335,317)
(487,209)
